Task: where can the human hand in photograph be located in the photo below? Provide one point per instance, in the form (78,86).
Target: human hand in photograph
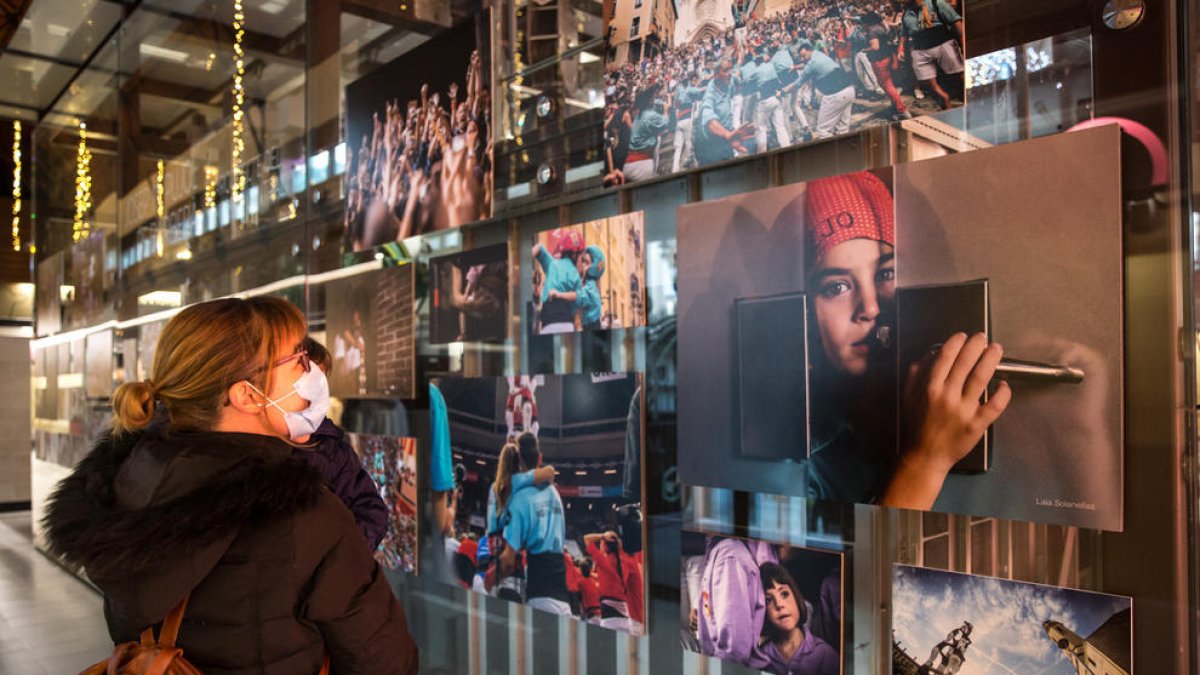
(544,475)
(944,390)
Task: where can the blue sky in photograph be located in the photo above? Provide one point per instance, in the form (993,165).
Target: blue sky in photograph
(1007,617)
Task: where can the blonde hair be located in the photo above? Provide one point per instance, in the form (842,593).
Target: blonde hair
(203,351)
(508,464)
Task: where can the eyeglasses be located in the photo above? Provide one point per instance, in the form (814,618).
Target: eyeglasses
(302,356)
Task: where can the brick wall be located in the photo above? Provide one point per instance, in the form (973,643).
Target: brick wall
(395,331)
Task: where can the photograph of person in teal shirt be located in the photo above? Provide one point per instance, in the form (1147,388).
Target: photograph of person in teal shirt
(590,276)
(529,506)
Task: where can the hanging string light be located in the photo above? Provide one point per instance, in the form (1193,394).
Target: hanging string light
(83,187)
(160,192)
(239,103)
(16,187)
(160,203)
(210,187)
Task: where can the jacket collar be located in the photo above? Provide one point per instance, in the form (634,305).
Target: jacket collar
(143,503)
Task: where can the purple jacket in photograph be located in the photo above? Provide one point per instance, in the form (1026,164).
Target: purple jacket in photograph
(332,455)
(814,657)
(732,608)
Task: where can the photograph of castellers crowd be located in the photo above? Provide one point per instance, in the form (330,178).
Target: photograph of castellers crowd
(693,82)
(590,276)
(545,507)
(770,607)
(419,134)
(391,462)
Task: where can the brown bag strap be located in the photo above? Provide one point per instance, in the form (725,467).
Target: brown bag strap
(118,655)
(162,661)
(170,627)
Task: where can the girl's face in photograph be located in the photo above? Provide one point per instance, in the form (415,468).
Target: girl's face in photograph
(851,286)
(782,610)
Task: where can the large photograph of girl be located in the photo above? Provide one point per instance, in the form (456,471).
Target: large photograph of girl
(818,262)
(468,296)
(590,276)
(541,509)
(770,607)
(694,83)
(392,464)
(419,131)
(1008,363)
(369,328)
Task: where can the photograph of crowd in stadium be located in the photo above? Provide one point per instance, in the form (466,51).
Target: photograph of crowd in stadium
(698,82)
(392,464)
(419,134)
(590,276)
(548,505)
(770,607)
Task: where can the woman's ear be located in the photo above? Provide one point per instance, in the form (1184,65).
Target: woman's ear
(244,399)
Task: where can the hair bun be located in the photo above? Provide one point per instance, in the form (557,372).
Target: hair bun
(133,406)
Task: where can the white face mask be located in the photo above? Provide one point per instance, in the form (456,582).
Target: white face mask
(312,387)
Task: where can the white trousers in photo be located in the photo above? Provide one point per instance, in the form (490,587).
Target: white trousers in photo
(770,112)
(833,117)
(683,143)
(641,169)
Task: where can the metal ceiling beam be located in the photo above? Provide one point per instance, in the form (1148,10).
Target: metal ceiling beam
(127,10)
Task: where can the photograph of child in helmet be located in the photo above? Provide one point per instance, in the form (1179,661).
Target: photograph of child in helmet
(711,80)
(770,607)
(544,515)
(590,276)
(468,296)
(391,462)
(369,328)
(1045,379)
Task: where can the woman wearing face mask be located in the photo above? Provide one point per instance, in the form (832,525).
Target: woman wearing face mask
(787,643)
(851,289)
(212,505)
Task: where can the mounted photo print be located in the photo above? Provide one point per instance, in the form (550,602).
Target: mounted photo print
(590,276)
(549,504)
(815,319)
(694,83)
(98,379)
(419,133)
(370,333)
(770,607)
(468,296)
(785,386)
(392,464)
(947,622)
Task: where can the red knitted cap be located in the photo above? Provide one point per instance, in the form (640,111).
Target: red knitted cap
(853,206)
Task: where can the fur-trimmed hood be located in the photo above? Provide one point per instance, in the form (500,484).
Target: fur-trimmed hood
(152,513)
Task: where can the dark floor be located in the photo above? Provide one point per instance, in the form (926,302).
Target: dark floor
(50,622)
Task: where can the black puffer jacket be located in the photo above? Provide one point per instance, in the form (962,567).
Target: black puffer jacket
(279,572)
